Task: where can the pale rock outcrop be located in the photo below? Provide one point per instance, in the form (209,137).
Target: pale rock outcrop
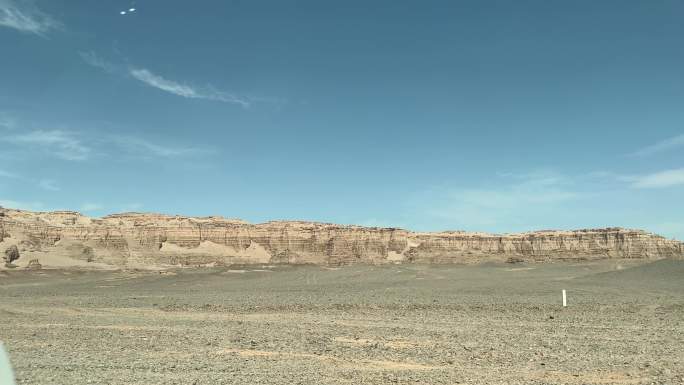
(34,264)
(155,240)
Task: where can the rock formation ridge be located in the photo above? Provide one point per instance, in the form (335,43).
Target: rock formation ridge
(155,240)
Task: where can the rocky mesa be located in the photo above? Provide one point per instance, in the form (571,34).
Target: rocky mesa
(136,240)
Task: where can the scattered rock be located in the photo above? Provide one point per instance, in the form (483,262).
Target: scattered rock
(515,260)
(34,265)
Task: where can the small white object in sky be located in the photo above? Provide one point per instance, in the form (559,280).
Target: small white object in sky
(131,10)
(123,12)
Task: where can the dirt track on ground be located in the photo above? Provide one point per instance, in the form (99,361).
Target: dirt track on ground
(402,324)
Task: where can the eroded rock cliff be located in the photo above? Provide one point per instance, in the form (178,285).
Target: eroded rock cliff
(154,240)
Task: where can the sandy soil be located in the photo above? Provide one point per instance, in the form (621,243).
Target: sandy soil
(491,324)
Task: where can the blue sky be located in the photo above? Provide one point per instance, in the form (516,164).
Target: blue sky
(499,116)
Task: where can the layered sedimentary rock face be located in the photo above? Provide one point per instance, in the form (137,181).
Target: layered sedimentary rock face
(154,240)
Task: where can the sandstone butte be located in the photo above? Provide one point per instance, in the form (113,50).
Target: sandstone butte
(137,240)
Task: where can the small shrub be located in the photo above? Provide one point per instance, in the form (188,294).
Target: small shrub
(11,255)
(88,253)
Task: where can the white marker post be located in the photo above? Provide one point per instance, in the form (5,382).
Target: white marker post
(565,301)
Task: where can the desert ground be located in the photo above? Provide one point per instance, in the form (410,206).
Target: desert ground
(396,324)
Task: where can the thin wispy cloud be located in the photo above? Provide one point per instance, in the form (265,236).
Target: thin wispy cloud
(530,192)
(45,184)
(7,174)
(159,82)
(62,144)
(507,201)
(662,146)
(48,184)
(538,177)
(184,90)
(21,205)
(25,18)
(653,180)
(7,121)
(170,86)
(92,59)
(140,146)
(662,179)
(80,146)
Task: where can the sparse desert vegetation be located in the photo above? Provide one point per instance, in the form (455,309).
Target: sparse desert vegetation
(11,255)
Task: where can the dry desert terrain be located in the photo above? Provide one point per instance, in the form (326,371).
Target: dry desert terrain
(391,324)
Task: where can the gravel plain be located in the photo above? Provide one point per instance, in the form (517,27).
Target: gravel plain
(398,324)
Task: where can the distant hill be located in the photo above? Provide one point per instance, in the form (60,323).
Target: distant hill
(137,240)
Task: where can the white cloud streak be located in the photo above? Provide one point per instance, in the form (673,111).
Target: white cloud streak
(25,19)
(139,146)
(7,174)
(48,184)
(170,86)
(92,59)
(45,184)
(7,121)
(662,179)
(80,146)
(19,205)
(506,202)
(73,146)
(62,144)
(665,145)
(184,90)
